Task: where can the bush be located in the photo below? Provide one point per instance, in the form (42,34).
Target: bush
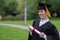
(9,17)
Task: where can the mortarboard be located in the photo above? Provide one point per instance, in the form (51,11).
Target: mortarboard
(44,6)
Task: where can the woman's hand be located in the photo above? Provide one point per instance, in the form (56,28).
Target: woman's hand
(42,34)
(29,28)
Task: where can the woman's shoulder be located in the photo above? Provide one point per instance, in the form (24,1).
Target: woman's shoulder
(51,25)
(36,20)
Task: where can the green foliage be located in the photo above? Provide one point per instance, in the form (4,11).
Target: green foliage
(9,17)
(32,6)
(32,9)
(12,5)
(2,5)
(6,6)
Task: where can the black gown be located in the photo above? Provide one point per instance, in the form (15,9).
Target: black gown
(48,28)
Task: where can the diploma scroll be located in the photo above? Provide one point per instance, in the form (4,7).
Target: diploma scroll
(35,30)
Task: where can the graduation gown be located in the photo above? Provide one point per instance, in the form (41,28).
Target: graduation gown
(48,28)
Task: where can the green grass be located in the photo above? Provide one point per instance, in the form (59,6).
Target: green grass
(18,22)
(55,21)
(11,33)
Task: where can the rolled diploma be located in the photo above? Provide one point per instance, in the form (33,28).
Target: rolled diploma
(32,28)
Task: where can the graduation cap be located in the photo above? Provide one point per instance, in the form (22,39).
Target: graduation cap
(44,6)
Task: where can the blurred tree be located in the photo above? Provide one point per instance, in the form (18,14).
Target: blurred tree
(21,5)
(11,7)
(6,6)
(2,5)
(32,9)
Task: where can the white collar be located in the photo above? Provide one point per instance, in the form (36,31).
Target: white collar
(45,20)
(42,22)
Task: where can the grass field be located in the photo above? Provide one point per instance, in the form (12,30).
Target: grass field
(18,22)
(10,33)
(55,21)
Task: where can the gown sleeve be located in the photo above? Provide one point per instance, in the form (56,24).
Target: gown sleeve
(30,36)
(54,34)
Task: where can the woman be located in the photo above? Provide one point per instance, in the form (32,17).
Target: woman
(47,29)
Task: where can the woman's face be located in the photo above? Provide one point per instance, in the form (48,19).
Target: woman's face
(42,14)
